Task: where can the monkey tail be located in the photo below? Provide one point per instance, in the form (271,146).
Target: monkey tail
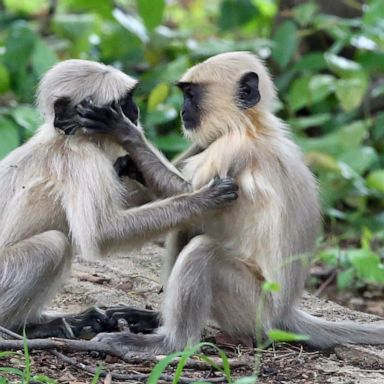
(327,334)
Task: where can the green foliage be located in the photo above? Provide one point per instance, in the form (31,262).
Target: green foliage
(25,375)
(183,357)
(328,70)
(278,335)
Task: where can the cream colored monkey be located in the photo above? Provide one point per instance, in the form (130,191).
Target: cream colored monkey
(60,190)
(216,268)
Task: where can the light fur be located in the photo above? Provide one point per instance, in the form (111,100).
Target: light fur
(61,193)
(268,234)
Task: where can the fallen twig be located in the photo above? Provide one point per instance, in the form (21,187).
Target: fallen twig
(52,344)
(10,333)
(127,376)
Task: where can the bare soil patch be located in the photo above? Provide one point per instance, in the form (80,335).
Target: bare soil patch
(134,279)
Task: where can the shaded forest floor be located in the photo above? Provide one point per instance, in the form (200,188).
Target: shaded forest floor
(134,279)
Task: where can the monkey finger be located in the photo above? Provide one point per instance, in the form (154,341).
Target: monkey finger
(94,129)
(98,114)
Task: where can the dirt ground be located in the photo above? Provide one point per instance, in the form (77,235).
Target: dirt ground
(134,279)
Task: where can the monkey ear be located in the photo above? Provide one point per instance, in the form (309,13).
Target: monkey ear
(61,105)
(248,92)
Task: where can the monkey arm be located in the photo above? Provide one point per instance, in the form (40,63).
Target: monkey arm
(159,174)
(136,194)
(138,225)
(93,200)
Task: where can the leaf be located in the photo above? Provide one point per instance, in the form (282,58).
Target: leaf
(77,28)
(43,379)
(27,117)
(322,161)
(375,180)
(26,6)
(350,92)
(342,66)
(374,12)
(304,13)
(314,120)
(4,355)
(345,278)
(367,264)
(172,143)
(286,42)
(320,86)
(163,114)
(12,371)
(159,368)
(359,159)
(157,96)
(19,47)
(136,27)
(43,58)
(330,256)
(101,7)
(234,13)
(188,352)
(271,286)
(27,358)
(307,90)
(151,11)
(5,79)
(345,138)
(9,134)
(96,376)
(278,335)
(299,94)
(314,61)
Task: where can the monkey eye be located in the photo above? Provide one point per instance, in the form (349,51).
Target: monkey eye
(188,91)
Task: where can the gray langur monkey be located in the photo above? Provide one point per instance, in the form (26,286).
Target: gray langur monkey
(216,268)
(60,192)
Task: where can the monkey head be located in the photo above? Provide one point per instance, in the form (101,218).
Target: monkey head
(72,81)
(223,94)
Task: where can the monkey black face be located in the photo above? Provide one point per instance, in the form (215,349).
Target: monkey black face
(191,111)
(248,94)
(129,107)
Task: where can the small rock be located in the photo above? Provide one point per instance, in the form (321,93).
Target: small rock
(361,356)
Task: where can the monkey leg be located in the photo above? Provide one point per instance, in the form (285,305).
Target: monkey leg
(31,272)
(203,274)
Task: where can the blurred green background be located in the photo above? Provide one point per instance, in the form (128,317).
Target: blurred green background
(327,59)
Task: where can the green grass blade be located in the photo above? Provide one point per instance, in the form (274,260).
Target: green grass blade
(43,379)
(188,352)
(4,355)
(12,371)
(97,375)
(27,369)
(160,367)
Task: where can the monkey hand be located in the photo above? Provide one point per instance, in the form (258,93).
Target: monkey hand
(219,192)
(125,166)
(108,120)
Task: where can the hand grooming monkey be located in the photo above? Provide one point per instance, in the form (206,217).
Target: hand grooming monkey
(267,234)
(61,191)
